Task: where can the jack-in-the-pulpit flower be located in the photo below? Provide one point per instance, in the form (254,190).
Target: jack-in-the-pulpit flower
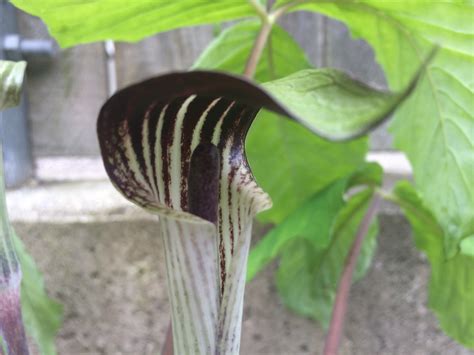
(175,145)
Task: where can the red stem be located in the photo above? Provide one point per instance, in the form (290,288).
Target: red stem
(168,346)
(333,337)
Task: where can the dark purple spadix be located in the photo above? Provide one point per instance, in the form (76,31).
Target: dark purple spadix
(203,182)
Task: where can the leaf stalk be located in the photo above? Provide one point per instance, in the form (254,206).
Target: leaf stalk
(257,49)
(333,337)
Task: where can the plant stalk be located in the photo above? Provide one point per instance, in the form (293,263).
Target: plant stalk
(336,327)
(257,49)
(268,19)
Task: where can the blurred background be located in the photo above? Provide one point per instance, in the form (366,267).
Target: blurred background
(101,256)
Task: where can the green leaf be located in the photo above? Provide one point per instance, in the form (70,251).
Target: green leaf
(73,22)
(451,289)
(319,212)
(435,127)
(314,241)
(274,141)
(291,163)
(333,105)
(467,245)
(308,278)
(11,81)
(42,316)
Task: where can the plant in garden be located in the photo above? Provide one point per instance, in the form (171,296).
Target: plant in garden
(162,137)
(20,281)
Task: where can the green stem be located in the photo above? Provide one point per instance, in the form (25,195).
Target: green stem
(257,48)
(268,19)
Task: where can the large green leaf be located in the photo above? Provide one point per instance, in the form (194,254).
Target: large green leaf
(11,80)
(436,126)
(288,161)
(42,316)
(73,22)
(307,277)
(451,289)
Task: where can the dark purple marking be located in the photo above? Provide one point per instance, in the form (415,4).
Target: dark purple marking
(194,112)
(203,182)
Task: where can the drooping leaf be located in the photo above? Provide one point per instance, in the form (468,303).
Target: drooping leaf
(330,103)
(11,80)
(42,316)
(451,288)
(435,127)
(74,22)
(12,333)
(333,105)
(307,277)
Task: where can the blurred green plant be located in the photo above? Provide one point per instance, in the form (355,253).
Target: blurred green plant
(435,128)
(21,282)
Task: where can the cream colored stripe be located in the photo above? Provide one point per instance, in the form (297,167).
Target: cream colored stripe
(175,158)
(217,129)
(133,161)
(158,157)
(190,253)
(200,124)
(146,154)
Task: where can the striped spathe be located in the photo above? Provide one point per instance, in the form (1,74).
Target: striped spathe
(148,134)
